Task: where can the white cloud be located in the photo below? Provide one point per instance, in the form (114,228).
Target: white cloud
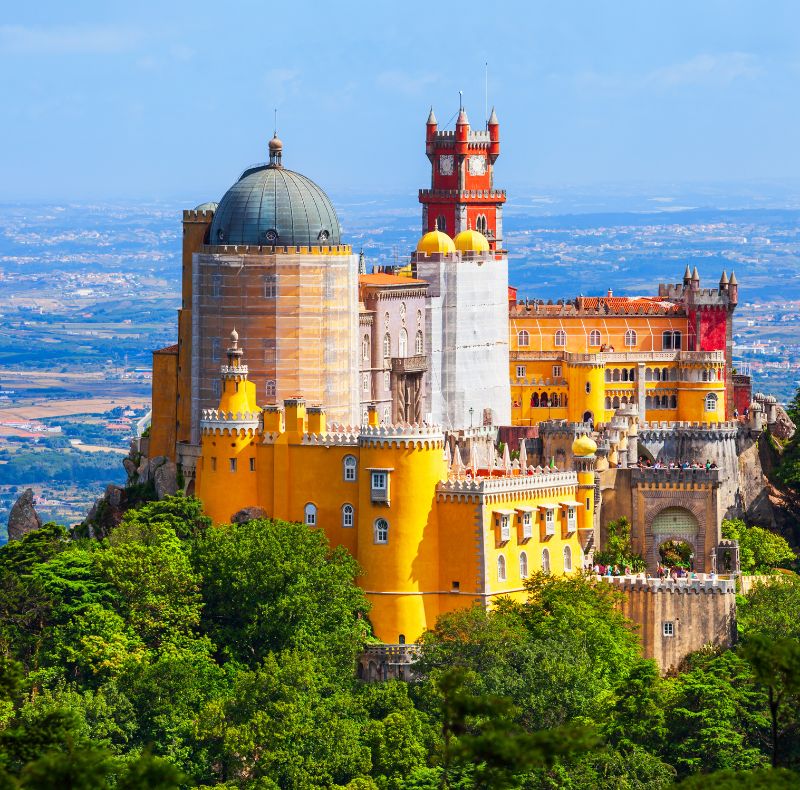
(708,69)
(21,40)
(407,84)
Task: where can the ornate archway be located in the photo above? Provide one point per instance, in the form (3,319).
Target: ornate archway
(676,524)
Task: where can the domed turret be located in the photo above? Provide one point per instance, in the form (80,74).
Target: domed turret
(471,241)
(584,446)
(436,241)
(272,206)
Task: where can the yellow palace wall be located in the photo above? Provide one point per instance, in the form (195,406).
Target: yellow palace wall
(435,536)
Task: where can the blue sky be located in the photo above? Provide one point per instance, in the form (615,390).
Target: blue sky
(165,100)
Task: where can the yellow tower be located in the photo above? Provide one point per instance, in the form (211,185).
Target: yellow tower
(398,543)
(584,459)
(226,477)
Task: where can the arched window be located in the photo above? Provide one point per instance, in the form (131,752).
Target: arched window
(630,338)
(347,515)
(311,515)
(624,374)
(676,340)
(608,375)
(535,400)
(623,401)
(501,568)
(648,402)
(270,389)
(673,401)
(711,402)
(523,338)
(403,345)
(648,374)
(608,402)
(671,340)
(523,565)
(418,345)
(594,337)
(561,338)
(350,466)
(545,560)
(387,346)
(365,348)
(632,374)
(615,402)
(543,400)
(441,223)
(554,399)
(381,530)
(567,559)
(480,224)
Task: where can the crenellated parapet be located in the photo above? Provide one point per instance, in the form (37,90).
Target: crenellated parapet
(705,585)
(718,431)
(421,436)
(214,421)
(263,249)
(542,482)
(675,478)
(332,439)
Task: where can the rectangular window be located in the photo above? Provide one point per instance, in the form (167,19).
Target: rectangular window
(213,464)
(571,519)
(505,528)
(549,522)
(668,628)
(215,349)
(455,586)
(270,286)
(216,387)
(527,525)
(232,464)
(252,464)
(379,486)
(556,371)
(520,371)
(216,285)
(387,380)
(588,505)
(379,481)
(365,382)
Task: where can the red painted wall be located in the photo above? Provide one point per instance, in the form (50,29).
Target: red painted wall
(713,324)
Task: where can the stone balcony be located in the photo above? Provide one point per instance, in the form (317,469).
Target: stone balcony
(416,364)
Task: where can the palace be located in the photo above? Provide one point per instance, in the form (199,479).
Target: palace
(370,404)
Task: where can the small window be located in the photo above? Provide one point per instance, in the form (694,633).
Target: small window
(216,388)
(381,531)
(545,561)
(480,224)
(216,286)
(213,464)
(441,222)
(594,338)
(455,586)
(419,347)
(567,559)
(401,639)
(505,528)
(387,380)
(527,525)
(365,348)
(668,628)
(588,505)
(347,516)
(379,481)
(571,517)
(711,402)
(387,346)
(311,515)
(523,565)
(523,338)
(588,387)
(350,466)
(252,464)
(365,382)
(556,371)
(630,338)
(403,344)
(215,349)
(561,338)
(270,389)
(549,522)
(520,371)
(232,464)
(501,568)
(270,286)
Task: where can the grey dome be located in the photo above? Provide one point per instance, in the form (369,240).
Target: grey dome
(270,205)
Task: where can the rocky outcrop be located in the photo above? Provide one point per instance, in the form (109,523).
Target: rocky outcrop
(783,428)
(23,517)
(159,472)
(106,512)
(248,514)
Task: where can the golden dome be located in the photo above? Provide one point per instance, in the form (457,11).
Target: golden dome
(471,241)
(583,446)
(435,241)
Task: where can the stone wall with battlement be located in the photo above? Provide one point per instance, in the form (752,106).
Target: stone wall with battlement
(676,618)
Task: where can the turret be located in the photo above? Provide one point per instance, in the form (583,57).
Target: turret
(462,132)
(723,281)
(687,277)
(431,125)
(584,460)
(733,289)
(695,280)
(493,125)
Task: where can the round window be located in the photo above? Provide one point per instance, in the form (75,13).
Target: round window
(271,236)
(323,235)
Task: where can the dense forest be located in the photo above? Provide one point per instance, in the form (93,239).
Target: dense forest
(175,654)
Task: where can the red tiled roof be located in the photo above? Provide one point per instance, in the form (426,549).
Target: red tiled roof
(173,349)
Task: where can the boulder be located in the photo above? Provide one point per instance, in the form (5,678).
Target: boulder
(23,517)
(783,428)
(130,469)
(248,514)
(165,479)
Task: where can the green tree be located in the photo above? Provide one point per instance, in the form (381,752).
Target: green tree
(771,608)
(760,551)
(755,779)
(270,586)
(618,548)
(776,667)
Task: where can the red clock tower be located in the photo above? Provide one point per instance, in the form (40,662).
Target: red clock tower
(462,166)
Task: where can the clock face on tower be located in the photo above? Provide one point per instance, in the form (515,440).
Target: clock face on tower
(446,164)
(477,165)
